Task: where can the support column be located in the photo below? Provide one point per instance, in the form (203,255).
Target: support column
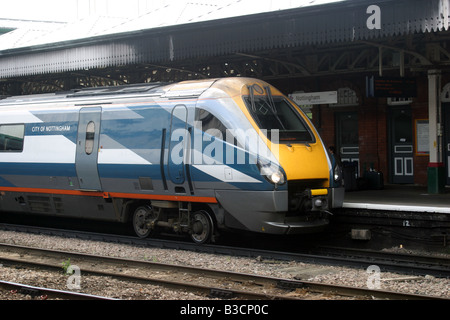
(436,171)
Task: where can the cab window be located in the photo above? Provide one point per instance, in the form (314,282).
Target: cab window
(278,114)
(210,123)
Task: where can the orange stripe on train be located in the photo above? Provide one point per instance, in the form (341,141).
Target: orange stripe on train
(112,194)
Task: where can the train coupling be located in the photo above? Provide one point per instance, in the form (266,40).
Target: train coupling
(318,199)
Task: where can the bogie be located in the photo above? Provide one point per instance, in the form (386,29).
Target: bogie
(178,218)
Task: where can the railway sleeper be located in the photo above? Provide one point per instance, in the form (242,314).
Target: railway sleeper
(291,285)
(30,292)
(221,294)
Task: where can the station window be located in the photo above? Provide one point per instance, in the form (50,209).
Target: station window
(11,137)
(90,137)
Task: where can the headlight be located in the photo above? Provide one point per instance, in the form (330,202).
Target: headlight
(277,177)
(272,173)
(337,173)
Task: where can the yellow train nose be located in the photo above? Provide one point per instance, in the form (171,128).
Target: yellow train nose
(304,161)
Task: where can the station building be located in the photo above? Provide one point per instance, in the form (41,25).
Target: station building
(373,75)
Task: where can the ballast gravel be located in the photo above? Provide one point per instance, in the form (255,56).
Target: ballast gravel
(423,285)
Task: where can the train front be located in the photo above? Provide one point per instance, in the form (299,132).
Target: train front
(301,182)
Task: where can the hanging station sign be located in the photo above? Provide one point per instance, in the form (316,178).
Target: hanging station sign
(391,87)
(313,98)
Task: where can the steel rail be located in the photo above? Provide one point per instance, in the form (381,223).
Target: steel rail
(432,263)
(239,278)
(46,293)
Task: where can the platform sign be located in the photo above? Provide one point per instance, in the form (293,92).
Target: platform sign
(391,87)
(313,98)
(422,137)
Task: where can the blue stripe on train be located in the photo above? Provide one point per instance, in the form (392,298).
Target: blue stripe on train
(125,171)
(38,169)
(120,171)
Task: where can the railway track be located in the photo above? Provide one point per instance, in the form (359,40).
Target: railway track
(389,262)
(395,262)
(392,261)
(213,283)
(202,281)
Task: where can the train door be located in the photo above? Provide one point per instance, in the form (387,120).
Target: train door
(87,148)
(177,145)
(401,145)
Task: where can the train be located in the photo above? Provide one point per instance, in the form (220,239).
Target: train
(194,158)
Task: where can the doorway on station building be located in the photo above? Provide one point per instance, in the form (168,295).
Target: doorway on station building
(401,145)
(347,141)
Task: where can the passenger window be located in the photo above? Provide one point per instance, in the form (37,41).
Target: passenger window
(11,137)
(90,137)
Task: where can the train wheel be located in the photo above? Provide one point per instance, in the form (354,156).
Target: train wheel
(141,218)
(202,227)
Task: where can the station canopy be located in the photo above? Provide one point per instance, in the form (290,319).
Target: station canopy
(204,29)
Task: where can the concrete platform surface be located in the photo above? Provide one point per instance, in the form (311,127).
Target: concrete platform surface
(399,198)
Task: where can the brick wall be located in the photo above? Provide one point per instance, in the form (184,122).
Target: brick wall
(373,128)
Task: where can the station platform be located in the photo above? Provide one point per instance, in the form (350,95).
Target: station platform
(395,215)
(402,198)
